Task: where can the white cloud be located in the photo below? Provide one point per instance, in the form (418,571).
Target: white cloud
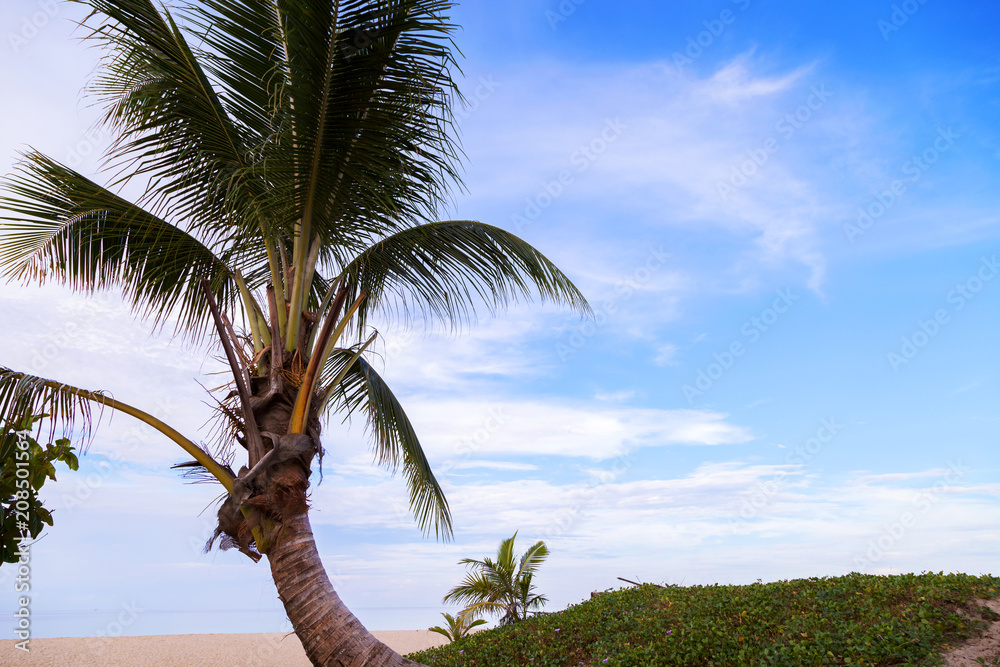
(900,476)
(452,428)
(614,396)
(684,136)
(492,465)
(737,82)
(491,350)
(690,527)
(665,355)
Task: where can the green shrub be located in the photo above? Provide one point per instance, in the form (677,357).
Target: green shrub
(857,619)
(25,465)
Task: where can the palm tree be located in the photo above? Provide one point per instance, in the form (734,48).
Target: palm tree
(503,586)
(290,156)
(459,626)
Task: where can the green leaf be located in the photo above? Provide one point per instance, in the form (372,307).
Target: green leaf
(20,516)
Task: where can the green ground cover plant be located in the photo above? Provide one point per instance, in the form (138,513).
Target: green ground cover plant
(857,619)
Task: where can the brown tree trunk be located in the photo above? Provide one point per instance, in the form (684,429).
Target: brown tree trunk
(329,632)
(267,514)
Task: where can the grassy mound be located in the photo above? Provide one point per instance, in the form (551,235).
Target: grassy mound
(857,619)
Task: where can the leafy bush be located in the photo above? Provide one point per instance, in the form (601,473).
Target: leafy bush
(24,467)
(857,619)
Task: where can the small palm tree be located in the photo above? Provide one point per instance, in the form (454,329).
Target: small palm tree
(503,586)
(459,625)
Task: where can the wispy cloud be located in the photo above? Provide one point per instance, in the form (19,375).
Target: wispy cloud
(453,428)
(737,81)
(665,355)
(493,465)
(683,140)
(615,396)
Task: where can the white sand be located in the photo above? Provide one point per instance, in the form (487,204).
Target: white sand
(251,650)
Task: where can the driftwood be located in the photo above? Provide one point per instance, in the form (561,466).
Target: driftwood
(594,594)
(636,583)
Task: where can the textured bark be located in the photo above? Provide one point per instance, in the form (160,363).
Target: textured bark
(267,513)
(329,632)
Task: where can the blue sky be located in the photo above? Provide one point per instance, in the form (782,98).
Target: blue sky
(785,219)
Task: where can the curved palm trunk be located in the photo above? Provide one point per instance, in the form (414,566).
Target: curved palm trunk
(269,502)
(329,632)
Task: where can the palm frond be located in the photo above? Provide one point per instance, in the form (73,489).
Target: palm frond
(477,588)
(172,127)
(366,143)
(393,438)
(22,396)
(458,625)
(61,225)
(243,52)
(445,269)
(533,557)
(505,556)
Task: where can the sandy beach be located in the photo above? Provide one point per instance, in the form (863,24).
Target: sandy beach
(250,650)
